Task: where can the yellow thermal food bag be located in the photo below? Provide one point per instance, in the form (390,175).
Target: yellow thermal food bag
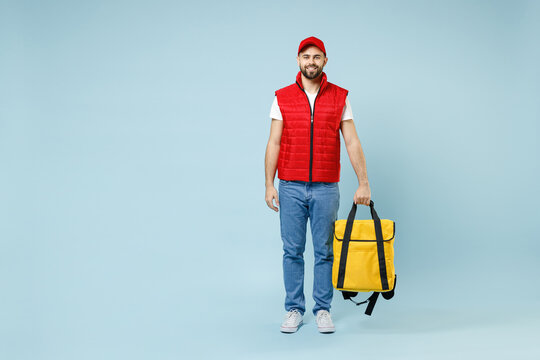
(364,257)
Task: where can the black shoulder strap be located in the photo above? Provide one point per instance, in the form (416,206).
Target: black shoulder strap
(372,300)
(380,247)
(345,247)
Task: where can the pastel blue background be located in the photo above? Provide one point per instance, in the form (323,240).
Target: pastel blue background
(132,140)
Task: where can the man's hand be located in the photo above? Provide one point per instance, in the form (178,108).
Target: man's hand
(362,195)
(271,194)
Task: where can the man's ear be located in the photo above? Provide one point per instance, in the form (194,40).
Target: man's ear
(325,60)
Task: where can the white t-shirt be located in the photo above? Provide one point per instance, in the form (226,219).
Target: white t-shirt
(275,112)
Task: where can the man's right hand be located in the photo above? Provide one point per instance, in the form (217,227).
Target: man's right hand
(271,194)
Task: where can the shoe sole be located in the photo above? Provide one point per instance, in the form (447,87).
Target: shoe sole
(290,330)
(327,330)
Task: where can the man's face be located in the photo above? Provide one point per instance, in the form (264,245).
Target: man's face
(311,61)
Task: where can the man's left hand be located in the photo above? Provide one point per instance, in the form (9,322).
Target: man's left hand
(362,195)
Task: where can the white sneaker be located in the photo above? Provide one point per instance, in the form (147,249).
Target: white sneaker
(324,322)
(293,319)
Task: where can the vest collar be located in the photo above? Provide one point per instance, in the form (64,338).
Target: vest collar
(323,81)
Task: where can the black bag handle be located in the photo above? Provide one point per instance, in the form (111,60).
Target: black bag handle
(347,238)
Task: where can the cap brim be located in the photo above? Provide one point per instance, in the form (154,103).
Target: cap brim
(311,44)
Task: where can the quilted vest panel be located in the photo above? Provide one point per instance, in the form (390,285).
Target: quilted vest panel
(310,151)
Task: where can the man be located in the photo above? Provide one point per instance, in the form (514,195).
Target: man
(304,146)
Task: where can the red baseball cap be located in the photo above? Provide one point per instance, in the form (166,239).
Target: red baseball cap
(312,41)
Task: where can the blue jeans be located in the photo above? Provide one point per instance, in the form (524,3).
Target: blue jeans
(318,201)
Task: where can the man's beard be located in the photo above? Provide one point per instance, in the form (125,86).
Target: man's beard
(313,75)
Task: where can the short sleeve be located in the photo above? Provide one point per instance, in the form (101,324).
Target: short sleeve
(347,111)
(275,112)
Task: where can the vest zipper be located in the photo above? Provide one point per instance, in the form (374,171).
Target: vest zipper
(311,142)
(312,114)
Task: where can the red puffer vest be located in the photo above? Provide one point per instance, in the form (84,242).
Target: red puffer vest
(310,143)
